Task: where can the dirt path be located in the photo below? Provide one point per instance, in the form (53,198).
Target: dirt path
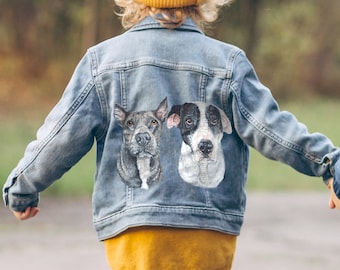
(294,231)
(281,231)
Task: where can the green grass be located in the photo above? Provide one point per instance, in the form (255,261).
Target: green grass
(264,174)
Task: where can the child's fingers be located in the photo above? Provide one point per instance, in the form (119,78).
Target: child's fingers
(28,213)
(21,215)
(34,211)
(331,204)
(334,201)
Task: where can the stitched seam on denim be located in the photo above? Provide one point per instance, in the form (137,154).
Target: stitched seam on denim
(129,196)
(157,25)
(207,198)
(162,64)
(202,88)
(64,119)
(124,102)
(231,63)
(123,90)
(104,110)
(227,82)
(173,209)
(100,94)
(94,62)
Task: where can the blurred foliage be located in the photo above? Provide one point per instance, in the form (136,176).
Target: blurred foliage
(297,52)
(292,44)
(19,131)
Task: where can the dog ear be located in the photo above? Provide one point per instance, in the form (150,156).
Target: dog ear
(225,123)
(162,110)
(119,113)
(174,116)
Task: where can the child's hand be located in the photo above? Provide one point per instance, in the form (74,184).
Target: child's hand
(28,213)
(334,201)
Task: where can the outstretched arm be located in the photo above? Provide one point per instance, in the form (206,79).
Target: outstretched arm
(65,137)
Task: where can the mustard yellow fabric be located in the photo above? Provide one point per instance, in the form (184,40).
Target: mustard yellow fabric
(159,248)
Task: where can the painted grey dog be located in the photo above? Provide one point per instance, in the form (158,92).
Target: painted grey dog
(201,125)
(139,162)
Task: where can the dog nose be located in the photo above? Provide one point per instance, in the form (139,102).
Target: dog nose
(143,138)
(206,147)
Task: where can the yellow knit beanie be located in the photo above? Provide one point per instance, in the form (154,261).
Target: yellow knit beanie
(170,3)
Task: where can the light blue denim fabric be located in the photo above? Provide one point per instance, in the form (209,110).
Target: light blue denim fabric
(137,70)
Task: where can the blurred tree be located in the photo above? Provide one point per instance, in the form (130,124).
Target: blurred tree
(239,25)
(321,69)
(18,17)
(296,55)
(36,30)
(90,23)
(292,44)
(249,19)
(42,31)
(96,22)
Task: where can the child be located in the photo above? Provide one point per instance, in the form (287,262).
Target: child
(154,204)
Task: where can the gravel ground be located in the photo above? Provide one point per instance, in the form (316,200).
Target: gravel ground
(281,231)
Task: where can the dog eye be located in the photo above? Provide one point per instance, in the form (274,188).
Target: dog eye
(154,122)
(213,122)
(129,123)
(188,122)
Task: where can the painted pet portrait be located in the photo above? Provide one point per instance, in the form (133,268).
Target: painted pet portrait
(139,162)
(201,126)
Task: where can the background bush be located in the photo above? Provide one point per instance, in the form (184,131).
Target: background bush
(292,44)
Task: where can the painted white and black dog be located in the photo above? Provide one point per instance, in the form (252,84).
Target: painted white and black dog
(201,125)
(139,162)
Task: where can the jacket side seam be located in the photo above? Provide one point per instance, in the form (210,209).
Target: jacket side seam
(100,94)
(228,79)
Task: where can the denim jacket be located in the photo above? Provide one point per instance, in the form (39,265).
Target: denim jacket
(137,70)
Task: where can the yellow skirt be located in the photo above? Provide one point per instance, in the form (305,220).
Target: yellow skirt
(161,248)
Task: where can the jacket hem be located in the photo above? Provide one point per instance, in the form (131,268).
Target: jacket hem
(169,216)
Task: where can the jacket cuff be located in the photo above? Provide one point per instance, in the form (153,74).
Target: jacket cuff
(336,183)
(19,203)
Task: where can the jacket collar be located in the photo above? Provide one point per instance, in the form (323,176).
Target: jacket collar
(151,23)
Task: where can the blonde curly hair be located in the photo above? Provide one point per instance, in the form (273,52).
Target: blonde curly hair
(132,12)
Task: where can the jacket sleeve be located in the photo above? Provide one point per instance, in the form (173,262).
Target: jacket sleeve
(66,135)
(276,134)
